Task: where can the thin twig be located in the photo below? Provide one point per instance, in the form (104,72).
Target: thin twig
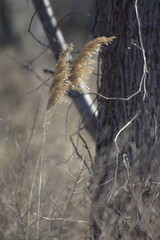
(122,129)
(29,68)
(30,198)
(143,78)
(62,219)
(45,128)
(145,70)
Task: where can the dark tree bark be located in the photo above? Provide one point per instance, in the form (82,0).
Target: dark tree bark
(6,29)
(126,173)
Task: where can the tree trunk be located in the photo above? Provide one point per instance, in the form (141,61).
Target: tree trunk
(125,184)
(7,35)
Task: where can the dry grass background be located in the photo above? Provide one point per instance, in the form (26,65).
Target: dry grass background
(43,184)
(21,134)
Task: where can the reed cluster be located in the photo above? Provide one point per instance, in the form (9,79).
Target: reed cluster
(71,76)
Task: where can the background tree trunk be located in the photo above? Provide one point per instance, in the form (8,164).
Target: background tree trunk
(126,173)
(7,35)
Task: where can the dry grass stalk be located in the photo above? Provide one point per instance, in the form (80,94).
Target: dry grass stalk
(81,68)
(72,77)
(60,83)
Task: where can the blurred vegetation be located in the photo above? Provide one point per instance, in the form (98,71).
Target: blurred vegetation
(21,130)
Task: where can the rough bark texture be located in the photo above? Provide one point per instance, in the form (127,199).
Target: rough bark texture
(126,173)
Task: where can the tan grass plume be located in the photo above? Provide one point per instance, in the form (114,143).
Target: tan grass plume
(60,83)
(72,76)
(81,67)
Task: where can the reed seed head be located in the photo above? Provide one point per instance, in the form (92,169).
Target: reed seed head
(81,67)
(60,83)
(72,76)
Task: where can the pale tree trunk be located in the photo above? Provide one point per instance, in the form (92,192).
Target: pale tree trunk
(124,188)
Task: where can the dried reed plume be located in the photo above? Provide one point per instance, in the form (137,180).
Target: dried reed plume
(60,83)
(81,67)
(68,77)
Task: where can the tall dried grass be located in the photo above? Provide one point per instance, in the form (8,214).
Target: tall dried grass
(72,76)
(60,83)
